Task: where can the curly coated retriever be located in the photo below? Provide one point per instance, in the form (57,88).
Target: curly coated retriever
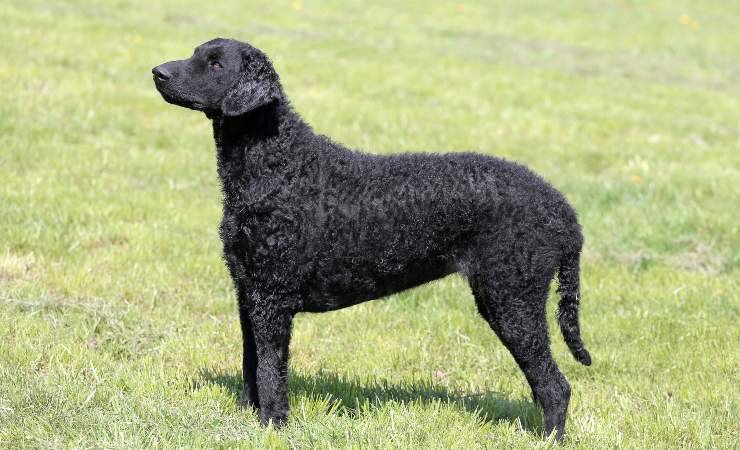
(311,226)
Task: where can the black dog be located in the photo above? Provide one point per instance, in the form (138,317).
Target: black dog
(311,226)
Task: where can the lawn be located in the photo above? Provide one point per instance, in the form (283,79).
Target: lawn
(118,325)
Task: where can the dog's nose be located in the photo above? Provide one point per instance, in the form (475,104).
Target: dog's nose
(161,73)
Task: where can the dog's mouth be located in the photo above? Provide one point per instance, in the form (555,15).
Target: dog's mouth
(174,99)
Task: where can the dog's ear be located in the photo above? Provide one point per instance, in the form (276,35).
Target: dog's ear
(258,85)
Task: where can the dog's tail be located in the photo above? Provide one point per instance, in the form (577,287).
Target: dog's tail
(569,289)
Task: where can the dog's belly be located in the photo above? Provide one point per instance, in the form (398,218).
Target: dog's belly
(350,284)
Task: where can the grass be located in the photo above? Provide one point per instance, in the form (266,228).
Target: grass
(117,321)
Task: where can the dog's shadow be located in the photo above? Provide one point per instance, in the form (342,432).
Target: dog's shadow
(353,397)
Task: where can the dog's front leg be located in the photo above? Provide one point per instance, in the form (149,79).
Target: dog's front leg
(272,330)
(249,396)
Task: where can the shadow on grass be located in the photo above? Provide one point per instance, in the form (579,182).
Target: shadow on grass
(354,397)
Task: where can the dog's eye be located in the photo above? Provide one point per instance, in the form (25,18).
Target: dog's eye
(216,65)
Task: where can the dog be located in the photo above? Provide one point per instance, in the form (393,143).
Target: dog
(312,226)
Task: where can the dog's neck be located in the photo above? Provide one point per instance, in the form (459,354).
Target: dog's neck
(256,144)
(267,123)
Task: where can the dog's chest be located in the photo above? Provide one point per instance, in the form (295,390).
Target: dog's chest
(264,220)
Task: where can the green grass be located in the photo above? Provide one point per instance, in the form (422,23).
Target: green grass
(118,326)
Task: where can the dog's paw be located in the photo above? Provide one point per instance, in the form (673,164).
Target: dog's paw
(247,402)
(277,421)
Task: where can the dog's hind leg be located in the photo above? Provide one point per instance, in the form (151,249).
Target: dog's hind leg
(516,313)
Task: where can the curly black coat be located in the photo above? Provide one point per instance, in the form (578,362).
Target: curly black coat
(310,226)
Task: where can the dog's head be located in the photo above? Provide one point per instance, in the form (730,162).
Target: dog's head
(223,76)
